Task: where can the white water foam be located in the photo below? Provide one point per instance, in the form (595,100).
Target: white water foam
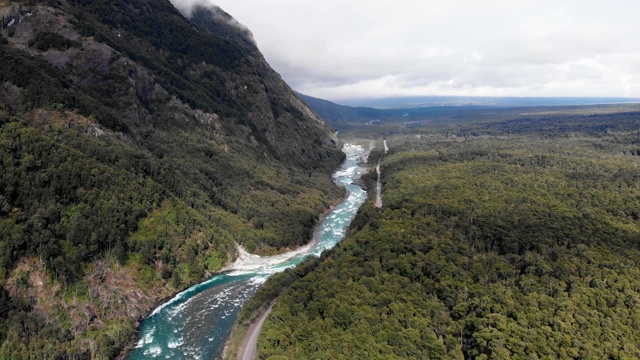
(250,263)
(196,308)
(174,299)
(147,338)
(154,351)
(174,343)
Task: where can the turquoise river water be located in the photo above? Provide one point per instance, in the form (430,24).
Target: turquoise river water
(196,323)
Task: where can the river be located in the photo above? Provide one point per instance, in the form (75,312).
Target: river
(196,323)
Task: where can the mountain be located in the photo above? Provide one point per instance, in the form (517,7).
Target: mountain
(414,111)
(429,101)
(137,148)
(339,116)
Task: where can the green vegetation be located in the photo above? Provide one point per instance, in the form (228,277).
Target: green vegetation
(135,154)
(157,37)
(496,240)
(139,150)
(53,193)
(77,199)
(32,83)
(43,41)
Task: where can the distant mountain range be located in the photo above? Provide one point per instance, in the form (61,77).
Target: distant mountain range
(338,116)
(358,111)
(427,101)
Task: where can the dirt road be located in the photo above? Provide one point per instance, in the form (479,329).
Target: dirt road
(378,189)
(249,345)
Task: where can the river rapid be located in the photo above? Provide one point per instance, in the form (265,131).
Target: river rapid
(196,323)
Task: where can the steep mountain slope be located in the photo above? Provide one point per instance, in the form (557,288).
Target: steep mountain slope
(136,149)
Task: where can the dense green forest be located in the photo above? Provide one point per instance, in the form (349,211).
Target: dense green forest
(516,238)
(137,149)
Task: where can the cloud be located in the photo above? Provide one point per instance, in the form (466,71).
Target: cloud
(187,7)
(342,49)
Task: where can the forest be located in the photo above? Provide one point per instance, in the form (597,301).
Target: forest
(133,167)
(170,214)
(138,148)
(513,238)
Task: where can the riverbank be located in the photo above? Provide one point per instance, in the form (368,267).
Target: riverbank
(241,332)
(232,264)
(241,262)
(197,322)
(378,187)
(249,345)
(160,302)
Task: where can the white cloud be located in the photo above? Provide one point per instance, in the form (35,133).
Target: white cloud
(186,7)
(340,49)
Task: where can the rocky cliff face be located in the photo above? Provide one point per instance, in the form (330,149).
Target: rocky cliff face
(285,105)
(137,148)
(211,66)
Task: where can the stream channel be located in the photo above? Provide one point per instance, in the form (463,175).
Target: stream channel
(196,323)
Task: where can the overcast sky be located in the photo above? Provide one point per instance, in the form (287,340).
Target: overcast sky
(337,49)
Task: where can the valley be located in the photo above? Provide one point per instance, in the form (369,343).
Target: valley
(161,186)
(197,322)
(497,239)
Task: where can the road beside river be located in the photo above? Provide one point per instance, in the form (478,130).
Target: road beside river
(196,323)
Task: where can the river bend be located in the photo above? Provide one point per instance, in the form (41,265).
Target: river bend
(196,323)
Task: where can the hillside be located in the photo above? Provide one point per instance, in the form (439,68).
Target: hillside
(496,240)
(137,149)
(342,117)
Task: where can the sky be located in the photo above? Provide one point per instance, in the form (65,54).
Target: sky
(345,49)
